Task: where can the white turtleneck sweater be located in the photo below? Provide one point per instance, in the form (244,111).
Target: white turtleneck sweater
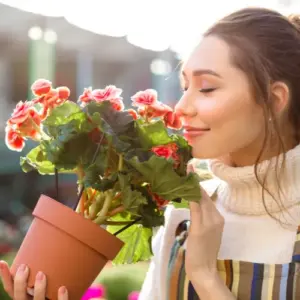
(250,234)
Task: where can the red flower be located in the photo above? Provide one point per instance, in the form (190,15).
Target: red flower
(159,200)
(111,92)
(52,99)
(133,113)
(21,113)
(172,120)
(63,92)
(41,87)
(144,98)
(13,140)
(117,104)
(163,151)
(87,96)
(30,127)
(167,151)
(95,135)
(158,109)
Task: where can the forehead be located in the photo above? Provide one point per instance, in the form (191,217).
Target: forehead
(212,53)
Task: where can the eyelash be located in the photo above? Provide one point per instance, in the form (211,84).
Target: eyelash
(205,91)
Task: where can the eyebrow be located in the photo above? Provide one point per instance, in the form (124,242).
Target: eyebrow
(203,72)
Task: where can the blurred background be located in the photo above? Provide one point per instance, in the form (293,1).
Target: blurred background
(133,44)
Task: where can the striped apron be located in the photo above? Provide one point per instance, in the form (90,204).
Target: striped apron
(247,281)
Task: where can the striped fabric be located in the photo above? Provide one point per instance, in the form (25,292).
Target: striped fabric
(247,281)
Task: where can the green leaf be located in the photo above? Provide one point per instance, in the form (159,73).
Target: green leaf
(36,160)
(68,154)
(131,199)
(100,184)
(152,134)
(62,113)
(151,215)
(137,241)
(165,182)
(118,126)
(113,122)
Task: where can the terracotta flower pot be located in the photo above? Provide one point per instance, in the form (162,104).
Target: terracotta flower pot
(68,248)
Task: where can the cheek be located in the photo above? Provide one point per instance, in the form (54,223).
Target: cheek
(220,110)
(235,123)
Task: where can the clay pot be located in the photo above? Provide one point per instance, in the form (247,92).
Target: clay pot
(68,248)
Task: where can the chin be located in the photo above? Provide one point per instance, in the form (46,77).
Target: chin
(202,153)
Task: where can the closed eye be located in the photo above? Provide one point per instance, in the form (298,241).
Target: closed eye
(207,90)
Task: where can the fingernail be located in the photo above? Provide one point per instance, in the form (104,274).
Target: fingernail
(22,269)
(63,290)
(40,276)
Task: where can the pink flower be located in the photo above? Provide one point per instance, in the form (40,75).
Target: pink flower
(63,92)
(93,292)
(144,98)
(133,295)
(13,140)
(133,113)
(21,112)
(30,127)
(158,109)
(41,87)
(111,92)
(87,96)
(172,120)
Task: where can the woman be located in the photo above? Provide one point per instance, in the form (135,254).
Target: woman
(241,109)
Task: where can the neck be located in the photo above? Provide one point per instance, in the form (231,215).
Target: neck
(257,153)
(242,193)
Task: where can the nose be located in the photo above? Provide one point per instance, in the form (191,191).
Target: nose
(185,106)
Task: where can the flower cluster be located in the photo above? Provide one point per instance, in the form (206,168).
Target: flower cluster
(26,119)
(128,163)
(149,107)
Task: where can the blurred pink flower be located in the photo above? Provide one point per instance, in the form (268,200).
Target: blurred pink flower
(133,295)
(95,291)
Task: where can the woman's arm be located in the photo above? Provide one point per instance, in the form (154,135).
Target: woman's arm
(211,287)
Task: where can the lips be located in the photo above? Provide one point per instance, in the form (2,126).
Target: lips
(190,132)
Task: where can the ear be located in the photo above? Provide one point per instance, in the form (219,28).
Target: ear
(281,95)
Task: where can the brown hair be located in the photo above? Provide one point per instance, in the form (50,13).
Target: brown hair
(266,47)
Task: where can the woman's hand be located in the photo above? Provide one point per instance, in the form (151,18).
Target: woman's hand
(204,238)
(203,244)
(17,289)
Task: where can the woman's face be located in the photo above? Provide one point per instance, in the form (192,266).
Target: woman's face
(219,114)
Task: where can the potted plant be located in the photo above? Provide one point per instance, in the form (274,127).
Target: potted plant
(129,167)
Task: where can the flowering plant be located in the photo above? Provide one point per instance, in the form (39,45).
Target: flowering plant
(129,165)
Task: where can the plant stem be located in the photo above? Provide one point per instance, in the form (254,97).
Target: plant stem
(96,206)
(121,162)
(40,131)
(102,216)
(117,223)
(116,211)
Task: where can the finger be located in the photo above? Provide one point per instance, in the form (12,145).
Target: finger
(202,213)
(40,286)
(6,278)
(190,168)
(20,283)
(63,293)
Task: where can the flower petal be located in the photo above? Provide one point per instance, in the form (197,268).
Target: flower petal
(41,87)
